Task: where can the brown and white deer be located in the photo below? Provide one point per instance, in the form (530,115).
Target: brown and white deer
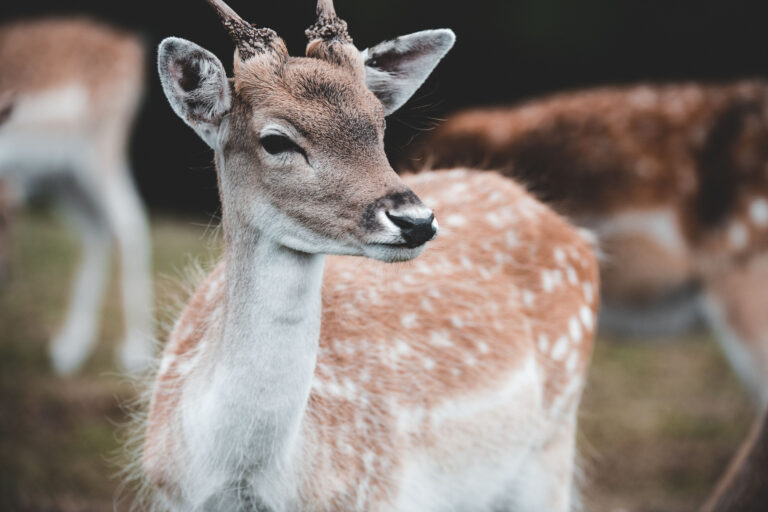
(674,181)
(292,381)
(69,90)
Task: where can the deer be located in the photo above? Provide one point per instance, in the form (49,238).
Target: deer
(744,485)
(672,180)
(69,92)
(337,358)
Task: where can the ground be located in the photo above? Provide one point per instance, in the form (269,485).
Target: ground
(659,421)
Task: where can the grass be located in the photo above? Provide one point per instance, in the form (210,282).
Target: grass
(659,421)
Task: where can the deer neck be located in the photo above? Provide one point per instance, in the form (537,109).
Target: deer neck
(265,357)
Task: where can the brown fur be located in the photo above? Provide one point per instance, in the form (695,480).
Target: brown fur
(506,279)
(697,155)
(341,127)
(39,55)
(699,151)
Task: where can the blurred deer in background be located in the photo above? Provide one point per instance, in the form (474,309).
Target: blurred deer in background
(69,91)
(744,486)
(295,382)
(673,180)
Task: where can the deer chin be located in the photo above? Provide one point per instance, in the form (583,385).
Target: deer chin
(391,253)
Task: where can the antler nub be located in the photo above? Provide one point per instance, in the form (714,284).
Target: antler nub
(328,27)
(250,40)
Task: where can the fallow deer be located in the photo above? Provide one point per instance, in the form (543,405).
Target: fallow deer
(69,91)
(674,181)
(292,381)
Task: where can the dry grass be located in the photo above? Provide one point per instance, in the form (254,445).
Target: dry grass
(660,418)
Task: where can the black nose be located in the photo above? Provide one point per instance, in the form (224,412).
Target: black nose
(415,230)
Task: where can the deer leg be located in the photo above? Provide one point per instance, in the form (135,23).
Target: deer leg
(545,480)
(736,307)
(129,225)
(75,340)
(6,213)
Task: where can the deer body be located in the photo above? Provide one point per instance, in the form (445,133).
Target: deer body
(69,91)
(299,381)
(673,181)
(421,386)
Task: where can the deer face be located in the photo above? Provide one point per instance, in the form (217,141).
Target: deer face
(299,141)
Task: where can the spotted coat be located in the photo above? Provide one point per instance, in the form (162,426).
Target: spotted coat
(415,357)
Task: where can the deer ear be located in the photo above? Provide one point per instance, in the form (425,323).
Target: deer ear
(196,85)
(395,69)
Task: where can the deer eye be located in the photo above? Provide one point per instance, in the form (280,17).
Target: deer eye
(277,144)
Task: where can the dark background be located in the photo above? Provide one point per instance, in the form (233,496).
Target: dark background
(507,50)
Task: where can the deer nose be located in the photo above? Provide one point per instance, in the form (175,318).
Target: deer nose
(416,231)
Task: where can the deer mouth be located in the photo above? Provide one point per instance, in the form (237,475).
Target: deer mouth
(393,252)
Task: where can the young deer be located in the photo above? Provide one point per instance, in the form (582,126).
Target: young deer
(674,181)
(296,382)
(69,91)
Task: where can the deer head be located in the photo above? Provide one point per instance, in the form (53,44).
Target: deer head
(299,141)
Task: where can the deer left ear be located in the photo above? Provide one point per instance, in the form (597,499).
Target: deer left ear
(395,69)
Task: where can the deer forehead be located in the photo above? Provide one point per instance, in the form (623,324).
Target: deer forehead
(320,99)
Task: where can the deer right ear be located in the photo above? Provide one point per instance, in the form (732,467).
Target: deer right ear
(196,85)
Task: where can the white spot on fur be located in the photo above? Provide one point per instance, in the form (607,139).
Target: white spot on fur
(482,347)
(429,364)
(586,317)
(402,347)
(738,236)
(494,219)
(455,221)
(440,339)
(559,255)
(543,343)
(560,348)
(572,362)
(408,320)
(570,273)
(547,282)
(423,268)
(588,291)
(457,321)
(528,298)
(512,239)
(575,329)
(758,212)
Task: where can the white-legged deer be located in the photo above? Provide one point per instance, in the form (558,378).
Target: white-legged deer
(296,381)
(674,181)
(69,91)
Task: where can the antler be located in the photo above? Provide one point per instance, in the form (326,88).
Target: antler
(250,40)
(328,26)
